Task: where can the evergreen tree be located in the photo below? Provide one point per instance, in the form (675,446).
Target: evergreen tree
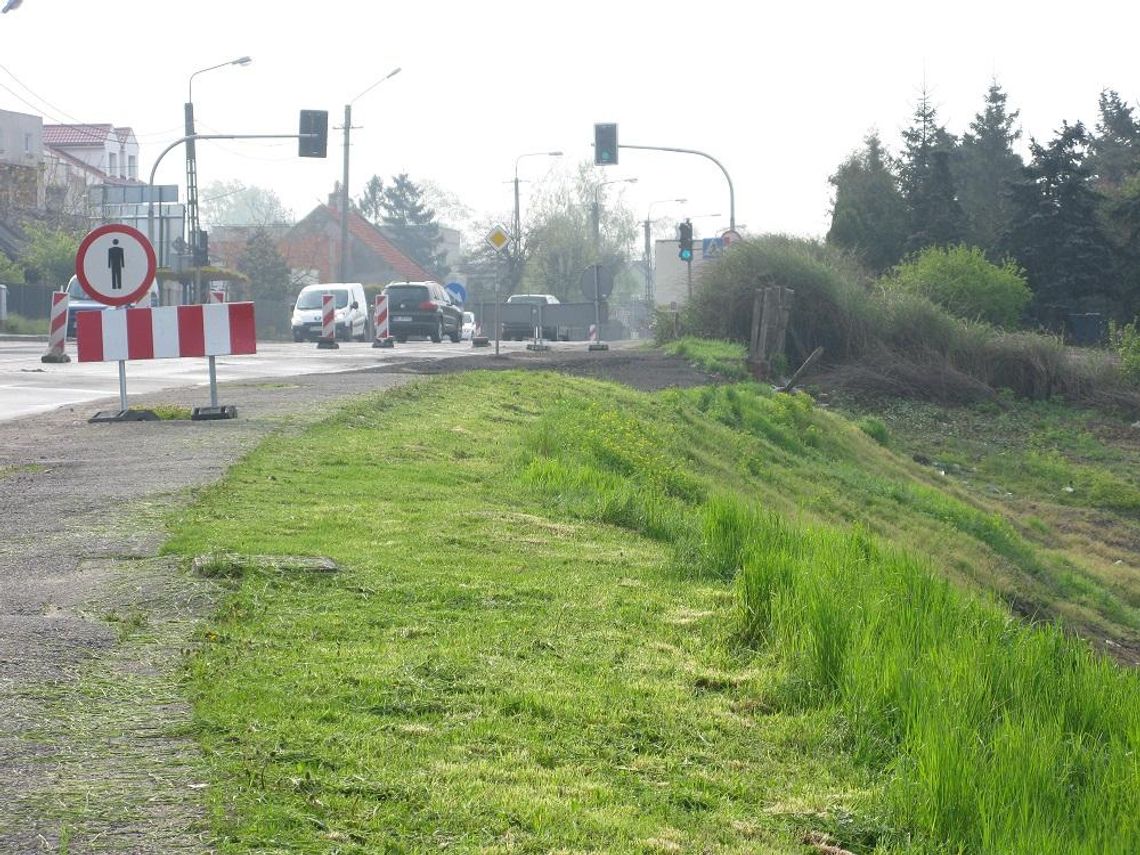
(1056,234)
(869,215)
(269,282)
(1115,151)
(410,224)
(986,166)
(936,217)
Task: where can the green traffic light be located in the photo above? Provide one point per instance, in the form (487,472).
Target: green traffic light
(685,255)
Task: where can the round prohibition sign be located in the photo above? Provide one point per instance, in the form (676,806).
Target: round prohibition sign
(115,264)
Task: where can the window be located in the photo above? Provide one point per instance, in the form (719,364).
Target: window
(27,143)
(113,164)
(132,167)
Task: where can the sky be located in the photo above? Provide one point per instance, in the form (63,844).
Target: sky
(780,94)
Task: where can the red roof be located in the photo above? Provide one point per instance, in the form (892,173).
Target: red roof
(72,135)
(371,237)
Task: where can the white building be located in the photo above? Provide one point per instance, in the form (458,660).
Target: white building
(21,160)
(112,151)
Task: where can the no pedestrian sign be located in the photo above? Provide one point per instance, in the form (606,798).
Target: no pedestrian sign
(115,265)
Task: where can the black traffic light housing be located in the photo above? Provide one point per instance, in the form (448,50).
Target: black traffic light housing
(605,145)
(314,139)
(202,249)
(685,241)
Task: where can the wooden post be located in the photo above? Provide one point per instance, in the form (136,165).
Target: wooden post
(783,315)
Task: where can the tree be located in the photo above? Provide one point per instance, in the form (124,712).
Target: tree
(49,256)
(558,241)
(11,273)
(1055,233)
(936,218)
(233,203)
(869,215)
(269,282)
(405,218)
(1115,147)
(985,167)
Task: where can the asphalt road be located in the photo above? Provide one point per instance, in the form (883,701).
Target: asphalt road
(29,386)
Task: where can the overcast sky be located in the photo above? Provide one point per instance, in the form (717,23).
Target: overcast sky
(778,93)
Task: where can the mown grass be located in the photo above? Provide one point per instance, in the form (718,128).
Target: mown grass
(725,358)
(564,623)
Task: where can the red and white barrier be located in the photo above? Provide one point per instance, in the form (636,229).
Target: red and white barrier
(328,317)
(593,334)
(215,329)
(380,318)
(57,340)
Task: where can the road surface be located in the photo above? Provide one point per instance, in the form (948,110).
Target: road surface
(29,386)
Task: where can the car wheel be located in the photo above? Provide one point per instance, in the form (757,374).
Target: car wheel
(298,336)
(437,336)
(457,336)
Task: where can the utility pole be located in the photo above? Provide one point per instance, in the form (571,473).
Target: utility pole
(343,273)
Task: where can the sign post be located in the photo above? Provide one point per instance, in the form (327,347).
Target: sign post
(115,265)
(499,239)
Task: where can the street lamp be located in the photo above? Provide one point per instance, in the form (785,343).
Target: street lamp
(649,245)
(344,255)
(192,163)
(516,272)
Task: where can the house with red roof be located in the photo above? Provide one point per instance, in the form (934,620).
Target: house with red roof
(110,151)
(313,245)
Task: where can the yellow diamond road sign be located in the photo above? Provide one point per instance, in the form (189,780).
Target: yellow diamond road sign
(498,237)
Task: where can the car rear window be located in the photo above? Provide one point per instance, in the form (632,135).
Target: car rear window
(418,293)
(526,298)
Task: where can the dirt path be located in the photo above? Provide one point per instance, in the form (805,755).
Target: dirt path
(95,751)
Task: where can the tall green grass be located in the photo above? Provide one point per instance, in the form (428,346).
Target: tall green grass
(991,735)
(999,737)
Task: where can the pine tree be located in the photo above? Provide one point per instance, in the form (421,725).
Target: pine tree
(985,168)
(936,217)
(869,215)
(411,224)
(1116,144)
(1056,234)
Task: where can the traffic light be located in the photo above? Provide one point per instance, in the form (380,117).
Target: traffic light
(605,145)
(685,240)
(314,122)
(202,249)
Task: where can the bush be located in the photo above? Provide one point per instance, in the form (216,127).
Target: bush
(965,283)
(1126,343)
(831,308)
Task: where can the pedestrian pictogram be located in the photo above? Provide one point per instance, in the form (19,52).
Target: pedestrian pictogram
(115,265)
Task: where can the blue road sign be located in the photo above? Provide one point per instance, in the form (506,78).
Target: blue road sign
(457,291)
(711,247)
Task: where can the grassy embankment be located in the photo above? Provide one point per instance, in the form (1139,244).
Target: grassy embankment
(572,616)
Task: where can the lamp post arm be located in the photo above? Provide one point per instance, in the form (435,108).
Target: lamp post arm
(191,137)
(727,177)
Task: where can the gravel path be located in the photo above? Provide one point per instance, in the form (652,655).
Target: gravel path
(95,754)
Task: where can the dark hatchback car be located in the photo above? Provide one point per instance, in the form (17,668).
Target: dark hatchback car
(423,309)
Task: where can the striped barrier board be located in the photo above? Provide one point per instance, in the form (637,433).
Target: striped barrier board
(215,329)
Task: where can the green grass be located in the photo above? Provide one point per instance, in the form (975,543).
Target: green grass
(563,623)
(725,358)
(19,325)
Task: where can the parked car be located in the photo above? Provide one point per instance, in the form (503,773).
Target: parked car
(79,300)
(350,310)
(422,309)
(468,326)
(520,331)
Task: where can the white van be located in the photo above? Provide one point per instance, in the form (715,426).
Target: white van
(351,310)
